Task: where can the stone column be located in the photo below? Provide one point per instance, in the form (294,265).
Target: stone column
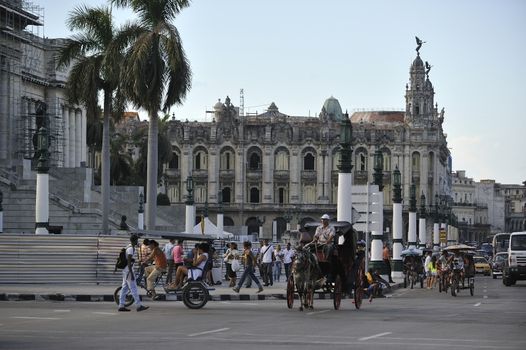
(84,146)
(377,232)
(189,218)
(220,227)
(71,137)
(65,116)
(268,171)
(411,235)
(78,137)
(42,191)
(436,237)
(397,225)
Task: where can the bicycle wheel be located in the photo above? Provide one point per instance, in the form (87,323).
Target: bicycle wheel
(454,287)
(290,292)
(116,296)
(195,295)
(337,293)
(358,285)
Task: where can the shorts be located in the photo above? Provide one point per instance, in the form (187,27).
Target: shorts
(194,274)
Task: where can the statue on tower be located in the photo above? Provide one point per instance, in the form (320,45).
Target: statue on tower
(418,44)
(428,68)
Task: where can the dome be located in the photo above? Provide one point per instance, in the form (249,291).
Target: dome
(333,109)
(218,105)
(418,62)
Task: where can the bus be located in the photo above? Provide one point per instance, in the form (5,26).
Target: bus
(501,241)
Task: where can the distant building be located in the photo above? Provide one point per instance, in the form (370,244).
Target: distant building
(515,207)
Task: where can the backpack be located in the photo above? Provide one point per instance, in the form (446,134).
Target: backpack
(122,260)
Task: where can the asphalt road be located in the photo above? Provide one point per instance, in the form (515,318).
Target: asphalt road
(495,318)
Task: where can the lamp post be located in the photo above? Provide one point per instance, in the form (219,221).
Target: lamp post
(42,193)
(190,208)
(422,236)
(397,223)
(344,202)
(378,169)
(436,227)
(140,215)
(376,262)
(411,235)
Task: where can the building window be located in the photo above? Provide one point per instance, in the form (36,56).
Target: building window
(174,162)
(226,194)
(254,162)
(200,162)
(282,161)
(254,195)
(281,195)
(308,162)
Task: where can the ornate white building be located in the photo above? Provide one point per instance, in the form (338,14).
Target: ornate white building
(274,167)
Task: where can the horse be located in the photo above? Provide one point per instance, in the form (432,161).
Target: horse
(304,272)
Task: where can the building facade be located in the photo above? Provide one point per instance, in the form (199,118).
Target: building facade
(32,94)
(273,168)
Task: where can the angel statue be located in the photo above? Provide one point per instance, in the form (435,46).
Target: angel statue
(418,44)
(428,68)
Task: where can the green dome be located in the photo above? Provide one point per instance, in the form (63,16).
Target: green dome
(333,109)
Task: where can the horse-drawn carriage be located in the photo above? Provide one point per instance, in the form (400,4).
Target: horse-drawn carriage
(462,268)
(413,267)
(342,268)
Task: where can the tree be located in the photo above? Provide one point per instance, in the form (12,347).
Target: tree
(156,74)
(96,66)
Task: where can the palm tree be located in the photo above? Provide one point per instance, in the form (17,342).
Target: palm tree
(156,73)
(96,66)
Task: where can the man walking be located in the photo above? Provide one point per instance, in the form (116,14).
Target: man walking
(287,259)
(267,259)
(128,278)
(386,254)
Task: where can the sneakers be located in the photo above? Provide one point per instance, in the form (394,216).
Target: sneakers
(260,290)
(236,289)
(142,308)
(122,308)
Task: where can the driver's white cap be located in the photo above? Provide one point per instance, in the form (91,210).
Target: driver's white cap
(325,217)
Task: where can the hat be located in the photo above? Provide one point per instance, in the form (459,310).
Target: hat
(325,217)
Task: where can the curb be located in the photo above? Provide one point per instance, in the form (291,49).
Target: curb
(58,297)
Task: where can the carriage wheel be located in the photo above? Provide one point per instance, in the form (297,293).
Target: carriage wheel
(337,293)
(195,295)
(290,292)
(454,287)
(471,286)
(358,285)
(412,281)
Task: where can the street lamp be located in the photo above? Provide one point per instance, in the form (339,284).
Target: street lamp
(397,185)
(345,165)
(141,202)
(43,150)
(190,190)
(423,205)
(412,199)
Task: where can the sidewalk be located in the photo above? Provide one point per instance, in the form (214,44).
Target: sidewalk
(90,292)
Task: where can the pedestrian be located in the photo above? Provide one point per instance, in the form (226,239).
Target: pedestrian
(287,259)
(267,259)
(153,271)
(128,278)
(279,256)
(250,262)
(168,253)
(144,252)
(427,265)
(386,255)
(230,255)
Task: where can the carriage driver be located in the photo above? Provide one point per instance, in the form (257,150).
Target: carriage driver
(325,235)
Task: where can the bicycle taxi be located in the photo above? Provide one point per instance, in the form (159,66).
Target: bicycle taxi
(413,267)
(462,268)
(343,270)
(194,293)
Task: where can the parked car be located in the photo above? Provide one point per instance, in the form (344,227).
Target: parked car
(498,263)
(482,265)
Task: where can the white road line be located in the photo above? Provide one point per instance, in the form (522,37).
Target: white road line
(104,313)
(375,336)
(208,332)
(36,318)
(477,304)
(317,312)
(61,310)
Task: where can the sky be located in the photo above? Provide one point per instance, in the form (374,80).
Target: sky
(297,53)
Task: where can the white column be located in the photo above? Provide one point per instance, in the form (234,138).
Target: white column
(397,240)
(344,203)
(42,204)
(71,138)
(140,221)
(411,234)
(267,173)
(78,137)
(65,116)
(84,146)
(436,236)
(220,227)
(190,218)
(377,231)
(422,236)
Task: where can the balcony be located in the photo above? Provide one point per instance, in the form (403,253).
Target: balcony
(360,176)
(254,174)
(308,175)
(200,174)
(415,174)
(226,174)
(173,172)
(282,175)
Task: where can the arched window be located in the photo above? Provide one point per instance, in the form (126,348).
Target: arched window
(226,194)
(281,160)
(174,162)
(308,162)
(361,159)
(309,194)
(415,162)
(281,195)
(254,162)
(254,195)
(200,160)
(431,162)
(226,160)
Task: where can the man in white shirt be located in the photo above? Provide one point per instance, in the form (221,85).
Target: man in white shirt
(128,278)
(168,252)
(287,259)
(267,258)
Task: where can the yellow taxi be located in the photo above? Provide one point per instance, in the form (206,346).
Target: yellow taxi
(482,265)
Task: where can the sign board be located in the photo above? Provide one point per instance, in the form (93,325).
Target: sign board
(368,201)
(443,236)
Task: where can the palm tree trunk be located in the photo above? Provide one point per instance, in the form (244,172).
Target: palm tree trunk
(106,166)
(151,181)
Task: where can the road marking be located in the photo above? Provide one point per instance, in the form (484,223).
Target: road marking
(36,318)
(477,304)
(61,310)
(375,336)
(104,313)
(208,332)
(317,312)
